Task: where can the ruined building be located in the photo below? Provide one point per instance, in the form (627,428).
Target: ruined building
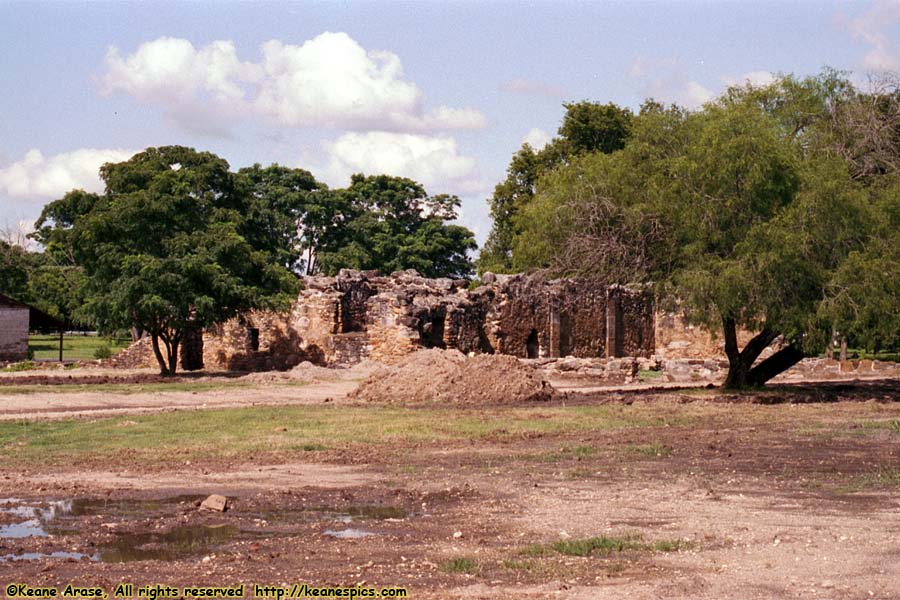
(359,315)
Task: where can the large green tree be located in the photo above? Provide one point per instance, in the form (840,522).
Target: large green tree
(285,210)
(14,268)
(742,214)
(587,127)
(389,224)
(162,248)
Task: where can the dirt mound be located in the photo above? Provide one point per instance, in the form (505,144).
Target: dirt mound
(307,371)
(448,376)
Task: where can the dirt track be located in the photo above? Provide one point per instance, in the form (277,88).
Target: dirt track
(769,500)
(55,405)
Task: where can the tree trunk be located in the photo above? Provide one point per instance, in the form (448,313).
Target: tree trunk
(778,363)
(154,338)
(173,357)
(740,362)
(168,363)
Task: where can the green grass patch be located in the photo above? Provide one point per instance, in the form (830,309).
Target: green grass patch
(535,550)
(460,565)
(652,450)
(645,375)
(160,438)
(75,347)
(598,546)
(892,425)
(25,365)
(886,477)
(582,473)
(564,453)
(605,546)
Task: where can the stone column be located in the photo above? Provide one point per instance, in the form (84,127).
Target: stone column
(613,323)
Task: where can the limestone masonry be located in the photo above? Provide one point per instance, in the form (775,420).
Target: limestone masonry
(358,315)
(363,315)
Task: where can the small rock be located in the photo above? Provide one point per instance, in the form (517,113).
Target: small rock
(215,502)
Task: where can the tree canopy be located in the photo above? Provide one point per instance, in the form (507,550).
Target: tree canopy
(161,248)
(587,127)
(390,224)
(177,242)
(746,213)
(288,211)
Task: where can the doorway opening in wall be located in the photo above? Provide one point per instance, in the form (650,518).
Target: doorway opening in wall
(253,339)
(532,348)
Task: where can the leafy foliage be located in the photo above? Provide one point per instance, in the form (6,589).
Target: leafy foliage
(162,249)
(284,216)
(391,224)
(587,127)
(748,212)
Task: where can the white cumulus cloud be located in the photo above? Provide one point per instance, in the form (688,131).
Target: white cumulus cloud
(328,81)
(873,26)
(39,176)
(537,138)
(434,161)
(666,80)
(194,87)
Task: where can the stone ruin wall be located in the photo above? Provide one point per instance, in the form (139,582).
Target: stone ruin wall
(678,339)
(360,315)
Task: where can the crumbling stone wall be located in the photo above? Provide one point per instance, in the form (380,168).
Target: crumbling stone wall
(358,315)
(569,317)
(678,339)
(259,341)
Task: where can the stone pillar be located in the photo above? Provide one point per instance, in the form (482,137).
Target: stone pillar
(613,324)
(553,332)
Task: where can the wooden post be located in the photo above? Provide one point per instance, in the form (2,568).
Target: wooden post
(60,345)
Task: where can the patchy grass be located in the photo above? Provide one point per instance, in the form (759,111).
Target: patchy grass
(535,551)
(885,477)
(564,453)
(25,365)
(582,473)
(645,375)
(75,347)
(653,450)
(460,565)
(584,451)
(892,425)
(126,389)
(229,433)
(598,546)
(605,546)
(518,565)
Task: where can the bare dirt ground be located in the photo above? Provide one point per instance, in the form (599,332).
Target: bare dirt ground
(789,493)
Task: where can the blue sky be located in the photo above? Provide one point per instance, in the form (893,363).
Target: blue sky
(441,92)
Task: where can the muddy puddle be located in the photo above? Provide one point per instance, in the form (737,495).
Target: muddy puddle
(51,519)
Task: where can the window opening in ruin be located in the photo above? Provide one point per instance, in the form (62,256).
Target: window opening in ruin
(253,338)
(431,331)
(532,347)
(353,309)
